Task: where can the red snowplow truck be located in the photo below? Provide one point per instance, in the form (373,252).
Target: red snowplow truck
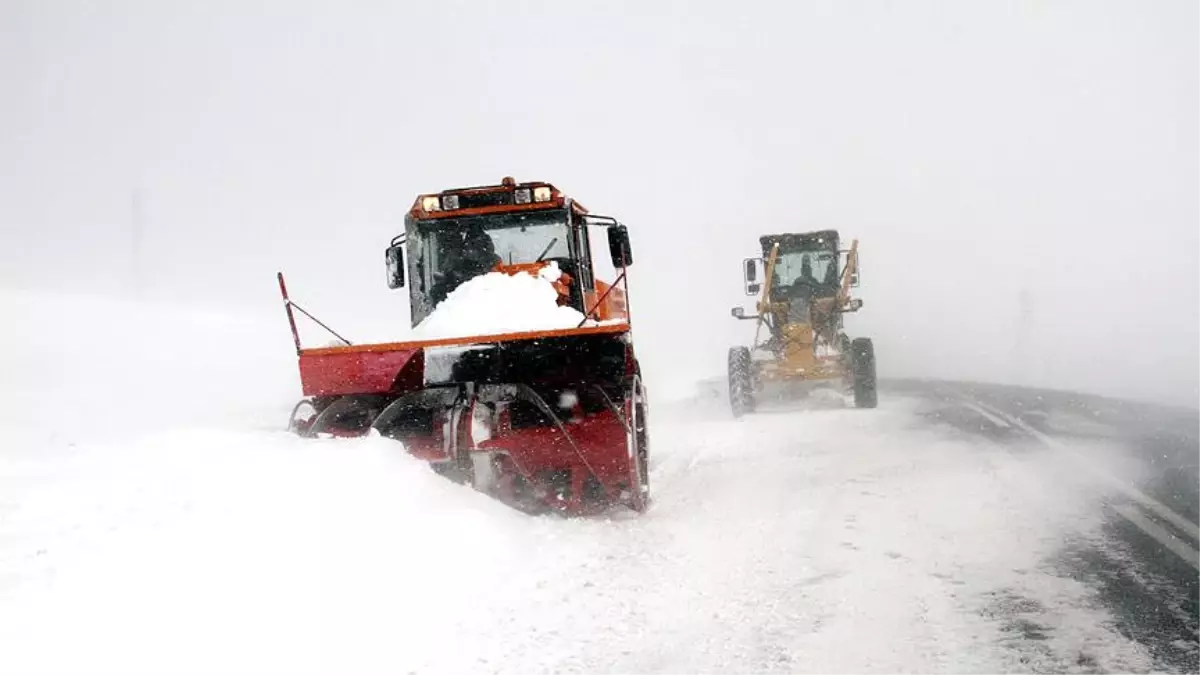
(542,419)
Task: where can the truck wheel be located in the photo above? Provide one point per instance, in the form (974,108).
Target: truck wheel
(741,388)
(641,458)
(863,351)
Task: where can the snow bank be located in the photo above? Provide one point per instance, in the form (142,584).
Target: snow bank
(227,551)
(500,303)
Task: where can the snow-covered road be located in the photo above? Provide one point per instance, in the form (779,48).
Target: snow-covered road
(206,540)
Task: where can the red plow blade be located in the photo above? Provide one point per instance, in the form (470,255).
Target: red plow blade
(549,421)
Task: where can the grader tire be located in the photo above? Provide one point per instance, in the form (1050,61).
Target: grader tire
(865,395)
(741,387)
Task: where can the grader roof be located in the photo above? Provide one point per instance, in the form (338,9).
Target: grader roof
(801,241)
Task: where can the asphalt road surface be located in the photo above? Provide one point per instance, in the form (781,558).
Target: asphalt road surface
(1147,567)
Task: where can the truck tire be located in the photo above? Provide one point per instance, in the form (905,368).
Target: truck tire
(863,351)
(741,386)
(641,421)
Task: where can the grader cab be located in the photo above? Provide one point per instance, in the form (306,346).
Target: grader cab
(803,283)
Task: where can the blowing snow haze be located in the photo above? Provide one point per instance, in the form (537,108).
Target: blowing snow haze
(1022,176)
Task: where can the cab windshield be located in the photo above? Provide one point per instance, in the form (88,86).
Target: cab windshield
(817,269)
(455,250)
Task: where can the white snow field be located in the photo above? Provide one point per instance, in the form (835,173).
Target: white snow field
(154,518)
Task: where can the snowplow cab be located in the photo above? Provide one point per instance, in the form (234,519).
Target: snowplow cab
(529,388)
(455,235)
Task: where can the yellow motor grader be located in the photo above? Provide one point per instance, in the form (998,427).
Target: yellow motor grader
(803,291)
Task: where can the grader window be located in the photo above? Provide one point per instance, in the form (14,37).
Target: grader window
(816,268)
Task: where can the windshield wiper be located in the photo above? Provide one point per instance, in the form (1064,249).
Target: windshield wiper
(548,247)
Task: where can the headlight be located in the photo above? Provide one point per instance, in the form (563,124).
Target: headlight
(541,194)
(450,202)
(521,196)
(430,204)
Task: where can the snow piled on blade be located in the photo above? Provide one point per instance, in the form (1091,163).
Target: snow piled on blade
(497,303)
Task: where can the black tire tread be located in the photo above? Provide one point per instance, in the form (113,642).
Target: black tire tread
(741,391)
(865,390)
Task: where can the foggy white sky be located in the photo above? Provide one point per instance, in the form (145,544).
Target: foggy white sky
(977,149)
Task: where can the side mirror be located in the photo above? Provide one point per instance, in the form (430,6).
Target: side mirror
(740,313)
(618,246)
(750,275)
(395,265)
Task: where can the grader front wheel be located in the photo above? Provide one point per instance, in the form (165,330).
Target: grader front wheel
(741,383)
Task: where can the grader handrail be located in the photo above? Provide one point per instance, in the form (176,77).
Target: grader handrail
(763,306)
(848,273)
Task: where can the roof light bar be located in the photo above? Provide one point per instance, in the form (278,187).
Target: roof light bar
(489,197)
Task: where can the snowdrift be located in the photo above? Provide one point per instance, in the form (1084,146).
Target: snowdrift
(219,551)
